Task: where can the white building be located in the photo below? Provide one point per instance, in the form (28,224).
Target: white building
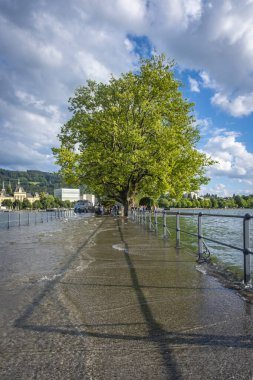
(71,195)
(190,195)
(90,198)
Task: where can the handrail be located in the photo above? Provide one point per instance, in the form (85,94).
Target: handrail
(140,216)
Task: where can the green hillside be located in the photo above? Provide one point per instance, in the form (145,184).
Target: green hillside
(32,180)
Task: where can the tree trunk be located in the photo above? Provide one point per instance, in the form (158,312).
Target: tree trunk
(125,204)
(124,201)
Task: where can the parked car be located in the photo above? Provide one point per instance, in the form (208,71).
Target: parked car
(83,206)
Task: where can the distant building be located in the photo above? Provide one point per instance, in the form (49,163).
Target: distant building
(64,194)
(190,195)
(90,198)
(19,194)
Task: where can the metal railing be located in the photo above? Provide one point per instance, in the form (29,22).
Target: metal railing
(150,219)
(25,218)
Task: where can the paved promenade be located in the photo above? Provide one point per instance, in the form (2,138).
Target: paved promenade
(128,306)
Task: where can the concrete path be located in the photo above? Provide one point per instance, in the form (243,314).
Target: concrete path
(129,306)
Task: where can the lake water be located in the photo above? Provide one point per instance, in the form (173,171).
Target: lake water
(24,218)
(224,229)
(40,249)
(227,230)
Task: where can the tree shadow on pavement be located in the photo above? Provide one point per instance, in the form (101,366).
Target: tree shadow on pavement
(162,339)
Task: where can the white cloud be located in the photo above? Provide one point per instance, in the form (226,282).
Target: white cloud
(173,16)
(218,43)
(89,67)
(207,81)
(30,101)
(48,54)
(27,156)
(28,133)
(240,106)
(194,85)
(218,189)
(50,48)
(204,125)
(247,181)
(234,160)
(128,44)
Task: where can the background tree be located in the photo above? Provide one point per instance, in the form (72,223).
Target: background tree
(9,190)
(37,205)
(146,201)
(26,204)
(163,203)
(132,136)
(67,204)
(7,203)
(239,201)
(47,200)
(17,204)
(33,181)
(59,202)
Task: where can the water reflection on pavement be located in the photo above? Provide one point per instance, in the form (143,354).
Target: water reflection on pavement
(101,298)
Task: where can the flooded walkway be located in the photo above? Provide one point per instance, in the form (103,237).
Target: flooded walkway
(111,301)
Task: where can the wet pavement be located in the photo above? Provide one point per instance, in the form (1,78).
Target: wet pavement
(120,304)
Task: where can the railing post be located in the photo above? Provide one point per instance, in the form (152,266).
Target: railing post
(8,219)
(150,220)
(19,219)
(164,224)
(246,248)
(178,229)
(200,238)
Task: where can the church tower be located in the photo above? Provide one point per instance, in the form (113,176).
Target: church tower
(3,192)
(19,192)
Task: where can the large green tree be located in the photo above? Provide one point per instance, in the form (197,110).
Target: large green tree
(132,136)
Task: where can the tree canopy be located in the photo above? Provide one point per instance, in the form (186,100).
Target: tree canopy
(133,136)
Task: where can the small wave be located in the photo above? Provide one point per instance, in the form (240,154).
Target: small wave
(119,247)
(83,266)
(91,243)
(248,286)
(46,278)
(200,269)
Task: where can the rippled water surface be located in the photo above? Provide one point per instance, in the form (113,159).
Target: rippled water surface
(38,252)
(228,230)
(34,240)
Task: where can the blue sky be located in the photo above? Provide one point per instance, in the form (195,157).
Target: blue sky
(48,48)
